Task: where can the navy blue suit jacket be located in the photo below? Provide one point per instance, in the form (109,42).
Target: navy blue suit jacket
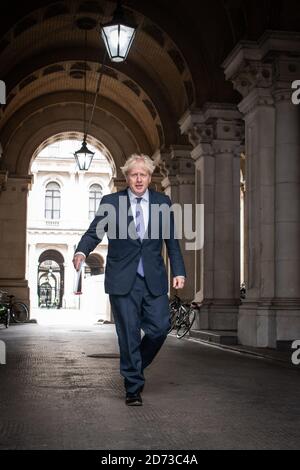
(124,254)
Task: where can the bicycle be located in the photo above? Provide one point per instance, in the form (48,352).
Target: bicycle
(18,311)
(4,315)
(182,316)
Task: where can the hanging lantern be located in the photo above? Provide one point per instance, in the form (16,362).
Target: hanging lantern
(118,36)
(84,157)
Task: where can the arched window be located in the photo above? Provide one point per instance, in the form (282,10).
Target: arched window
(52,201)
(94,199)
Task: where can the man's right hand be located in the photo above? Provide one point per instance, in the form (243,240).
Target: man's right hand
(77,260)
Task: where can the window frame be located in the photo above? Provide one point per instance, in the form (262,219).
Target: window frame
(52,213)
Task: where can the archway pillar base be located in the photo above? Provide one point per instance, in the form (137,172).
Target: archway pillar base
(13,216)
(216,133)
(217,316)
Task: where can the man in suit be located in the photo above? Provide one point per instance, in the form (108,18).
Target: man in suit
(135,274)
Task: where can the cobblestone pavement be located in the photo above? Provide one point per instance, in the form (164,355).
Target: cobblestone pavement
(53,395)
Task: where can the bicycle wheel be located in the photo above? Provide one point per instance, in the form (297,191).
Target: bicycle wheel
(173,315)
(7,319)
(187,320)
(19,312)
(174,305)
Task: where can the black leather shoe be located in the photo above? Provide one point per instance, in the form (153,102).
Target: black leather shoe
(134,400)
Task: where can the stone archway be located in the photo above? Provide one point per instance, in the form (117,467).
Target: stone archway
(138,111)
(13,201)
(51,279)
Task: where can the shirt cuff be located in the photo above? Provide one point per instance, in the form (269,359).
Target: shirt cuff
(79,253)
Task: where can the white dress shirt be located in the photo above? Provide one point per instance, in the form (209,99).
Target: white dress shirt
(145,208)
(144,203)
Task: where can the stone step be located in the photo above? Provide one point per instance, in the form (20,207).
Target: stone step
(214,336)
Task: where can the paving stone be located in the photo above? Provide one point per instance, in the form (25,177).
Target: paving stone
(54,395)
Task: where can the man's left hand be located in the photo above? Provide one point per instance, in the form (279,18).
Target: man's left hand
(178,282)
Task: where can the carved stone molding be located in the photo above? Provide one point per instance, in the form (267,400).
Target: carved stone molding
(257,98)
(3,180)
(286,70)
(283,95)
(19,183)
(252,74)
(200,133)
(223,147)
(186,179)
(215,126)
(263,71)
(175,163)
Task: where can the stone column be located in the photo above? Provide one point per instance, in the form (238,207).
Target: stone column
(13,221)
(3,180)
(287,203)
(177,167)
(263,73)
(215,133)
(33,275)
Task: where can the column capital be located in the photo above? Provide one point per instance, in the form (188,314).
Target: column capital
(202,150)
(3,180)
(257,97)
(175,164)
(211,122)
(265,66)
(217,126)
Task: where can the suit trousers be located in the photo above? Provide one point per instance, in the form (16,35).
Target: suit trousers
(139,310)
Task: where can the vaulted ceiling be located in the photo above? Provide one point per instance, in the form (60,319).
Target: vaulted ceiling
(174,64)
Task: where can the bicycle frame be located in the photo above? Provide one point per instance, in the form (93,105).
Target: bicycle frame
(182,316)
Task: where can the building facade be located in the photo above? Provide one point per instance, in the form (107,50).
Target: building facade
(207,97)
(62,203)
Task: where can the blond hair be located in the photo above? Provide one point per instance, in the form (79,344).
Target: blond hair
(149,164)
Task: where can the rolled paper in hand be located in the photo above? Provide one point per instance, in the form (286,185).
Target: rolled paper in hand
(77,279)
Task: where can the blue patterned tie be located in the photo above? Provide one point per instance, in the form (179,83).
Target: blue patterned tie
(140,230)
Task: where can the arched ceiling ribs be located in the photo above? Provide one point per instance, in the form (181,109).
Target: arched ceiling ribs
(75,135)
(113,120)
(141,108)
(131,76)
(21,150)
(154,53)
